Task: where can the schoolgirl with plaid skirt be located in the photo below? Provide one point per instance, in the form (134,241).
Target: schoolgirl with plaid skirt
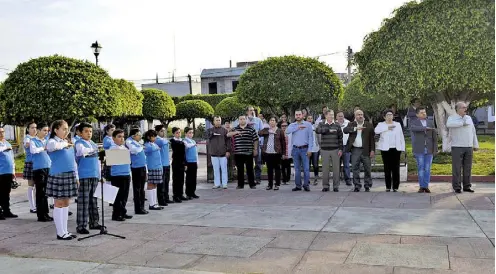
(154,166)
(138,170)
(62,177)
(27,173)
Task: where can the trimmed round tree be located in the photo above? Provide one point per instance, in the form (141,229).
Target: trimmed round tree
(230,108)
(192,109)
(57,87)
(130,99)
(157,104)
(290,83)
(441,51)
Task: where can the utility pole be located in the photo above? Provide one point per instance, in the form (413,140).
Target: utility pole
(350,56)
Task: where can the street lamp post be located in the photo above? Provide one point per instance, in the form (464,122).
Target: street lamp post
(96,50)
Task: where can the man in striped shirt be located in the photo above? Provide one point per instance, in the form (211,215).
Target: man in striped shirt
(245,148)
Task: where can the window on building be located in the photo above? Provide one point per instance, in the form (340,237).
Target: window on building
(234,85)
(212,88)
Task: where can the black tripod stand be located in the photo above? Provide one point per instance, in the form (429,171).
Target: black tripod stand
(103,229)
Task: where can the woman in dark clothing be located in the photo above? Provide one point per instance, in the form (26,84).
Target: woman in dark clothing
(178,165)
(273,148)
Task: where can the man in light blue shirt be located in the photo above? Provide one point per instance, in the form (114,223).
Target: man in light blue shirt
(302,140)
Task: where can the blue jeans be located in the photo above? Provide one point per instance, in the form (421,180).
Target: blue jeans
(220,170)
(346,166)
(300,157)
(424,162)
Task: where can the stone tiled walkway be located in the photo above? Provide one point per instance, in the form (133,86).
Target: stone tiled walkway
(259,231)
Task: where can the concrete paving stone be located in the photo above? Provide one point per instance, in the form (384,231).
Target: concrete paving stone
(416,205)
(177,214)
(143,231)
(492,240)
(420,256)
(7,235)
(293,240)
(268,260)
(343,269)
(272,217)
(124,269)
(20,226)
(21,249)
(44,266)
(477,201)
(423,222)
(458,247)
(471,265)
(223,245)
(485,219)
(142,254)
(173,260)
(187,233)
(410,270)
(344,242)
(323,258)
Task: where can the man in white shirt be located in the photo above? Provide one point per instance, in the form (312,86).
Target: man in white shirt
(463,143)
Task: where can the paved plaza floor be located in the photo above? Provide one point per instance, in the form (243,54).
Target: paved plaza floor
(259,231)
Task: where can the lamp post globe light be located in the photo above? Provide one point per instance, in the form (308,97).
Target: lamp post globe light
(96,50)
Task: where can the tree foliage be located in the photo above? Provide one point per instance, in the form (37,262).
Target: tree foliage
(157,104)
(2,103)
(130,99)
(230,108)
(354,95)
(212,99)
(290,82)
(438,50)
(57,87)
(191,109)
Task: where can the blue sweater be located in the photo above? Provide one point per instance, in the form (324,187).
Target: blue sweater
(191,151)
(153,159)
(88,167)
(6,159)
(163,144)
(41,160)
(138,159)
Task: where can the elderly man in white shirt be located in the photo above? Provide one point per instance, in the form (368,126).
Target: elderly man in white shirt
(343,122)
(463,143)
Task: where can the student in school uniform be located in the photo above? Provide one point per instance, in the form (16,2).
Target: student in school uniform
(89,176)
(178,163)
(41,167)
(107,143)
(62,177)
(138,170)
(121,178)
(154,167)
(191,164)
(77,134)
(27,173)
(7,175)
(163,144)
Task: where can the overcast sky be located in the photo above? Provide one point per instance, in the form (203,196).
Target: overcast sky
(138,36)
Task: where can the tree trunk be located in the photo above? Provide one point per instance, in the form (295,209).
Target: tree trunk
(443,108)
(150,124)
(20,133)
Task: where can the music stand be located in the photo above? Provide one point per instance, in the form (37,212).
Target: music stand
(103,229)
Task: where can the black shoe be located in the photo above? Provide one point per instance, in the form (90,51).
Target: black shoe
(48,218)
(195,196)
(427,190)
(458,191)
(268,188)
(336,190)
(72,235)
(306,189)
(367,189)
(127,216)
(32,211)
(43,219)
(276,188)
(356,190)
(184,198)
(169,201)
(82,231)
(119,219)
(296,189)
(348,183)
(111,204)
(240,187)
(253,187)
(177,200)
(141,212)
(325,189)
(95,227)
(395,190)
(9,215)
(421,190)
(468,190)
(66,237)
(52,206)
(155,207)
(162,204)
(388,190)
(70,213)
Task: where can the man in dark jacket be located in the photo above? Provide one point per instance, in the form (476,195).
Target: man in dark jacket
(331,148)
(219,146)
(361,144)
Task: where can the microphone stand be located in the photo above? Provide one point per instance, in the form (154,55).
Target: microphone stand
(103,229)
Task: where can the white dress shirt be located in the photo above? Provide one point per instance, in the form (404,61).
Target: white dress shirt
(358,140)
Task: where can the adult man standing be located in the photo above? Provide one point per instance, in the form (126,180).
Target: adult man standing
(343,122)
(321,117)
(302,141)
(219,146)
(245,148)
(361,144)
(463,143)
(331,145)
(424,147)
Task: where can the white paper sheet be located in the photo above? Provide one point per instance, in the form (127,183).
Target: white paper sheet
(117,157)
(109,192)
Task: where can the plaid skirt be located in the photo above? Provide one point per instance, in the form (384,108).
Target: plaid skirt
(27,173)
(155,176)
(106,172)
(62,185)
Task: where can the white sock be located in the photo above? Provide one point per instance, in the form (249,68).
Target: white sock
(32,204)
(150,197)
(53,201)
(58,220)
(155,200)
(65,217)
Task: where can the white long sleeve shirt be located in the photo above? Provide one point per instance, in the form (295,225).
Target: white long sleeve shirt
(462,135)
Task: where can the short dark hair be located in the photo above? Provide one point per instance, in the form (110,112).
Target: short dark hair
(117,132)
(134,131)
(28,125)
(108,127)
(159,128)
(149,134)
(82,126)
(175,129)
(296,110)
(186,129)
(419,109)
(272,116)
(386,111)
(41,125)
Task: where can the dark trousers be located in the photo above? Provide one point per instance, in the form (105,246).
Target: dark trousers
(177,180)
(163,188)
(243,160)
(122,182)
(286,170)
(314,161)
(391,160)
(5,188)
(139,178)
(87,207)
(358,158)
(191,171)
(40,178)
(461,158)
(273,162)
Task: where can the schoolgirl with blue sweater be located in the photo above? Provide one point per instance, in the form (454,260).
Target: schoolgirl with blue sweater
(7,175)
(41,168)
(27,173)
(62,177)
(191,164)
(107,143)
(154,166)
(89,175)
(163,189)
(138,170)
